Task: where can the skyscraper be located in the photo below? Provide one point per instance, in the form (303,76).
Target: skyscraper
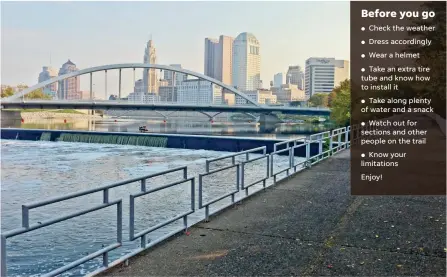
(295,76)
(179,77)
(246,62)
(150,80)
(218,58)
(46,74)
(69,88)
(279,79)
(323,74)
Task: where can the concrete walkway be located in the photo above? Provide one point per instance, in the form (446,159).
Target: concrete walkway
(308,225)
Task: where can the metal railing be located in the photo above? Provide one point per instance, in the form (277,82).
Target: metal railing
(26,227)
(233,156)
(220,197)
(245,186)
(329,143)
(184,215)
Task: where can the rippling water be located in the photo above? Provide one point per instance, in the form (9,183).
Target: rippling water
(33,171)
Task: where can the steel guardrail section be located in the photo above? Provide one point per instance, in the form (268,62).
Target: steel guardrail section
(232,193)
(105,189)
(263,180)
(142,234)
(233,156)
(104,251)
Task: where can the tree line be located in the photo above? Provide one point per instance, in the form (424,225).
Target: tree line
(339,101)
(36,94)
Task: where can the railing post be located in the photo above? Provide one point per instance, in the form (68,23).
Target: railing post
(185,173)
(143,185)
(119,220)
(347,137)
(25,217)
(207,167)
(268,166)
(193,194)
(3,271)
(200,191)
(308,154)
(105,196)
(233,160)
(131,217)
(330,143)
(242,176)
(291,154)
(320,145)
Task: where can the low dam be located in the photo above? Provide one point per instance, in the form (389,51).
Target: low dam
(194,142)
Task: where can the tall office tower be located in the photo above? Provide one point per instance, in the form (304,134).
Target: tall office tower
(295,76)
(323,74)
(46,74)
(246,62)
(69,88)
(279,79)
(179,77)
(218,58)
(150,79)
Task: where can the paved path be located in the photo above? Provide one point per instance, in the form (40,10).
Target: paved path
(308,225)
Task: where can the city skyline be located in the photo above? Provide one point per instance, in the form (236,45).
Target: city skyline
(283,43)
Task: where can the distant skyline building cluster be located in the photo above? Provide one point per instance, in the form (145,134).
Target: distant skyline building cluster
(233,61)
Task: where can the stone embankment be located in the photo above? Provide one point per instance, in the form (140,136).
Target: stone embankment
(55,115)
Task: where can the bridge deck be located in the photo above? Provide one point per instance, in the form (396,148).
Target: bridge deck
(308,225)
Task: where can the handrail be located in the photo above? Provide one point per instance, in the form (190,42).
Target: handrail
(233,156)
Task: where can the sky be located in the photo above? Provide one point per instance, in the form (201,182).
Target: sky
(36,34)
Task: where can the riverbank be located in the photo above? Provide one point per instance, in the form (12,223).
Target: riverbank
(61,114)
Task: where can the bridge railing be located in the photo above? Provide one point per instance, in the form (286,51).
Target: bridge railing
(235,178)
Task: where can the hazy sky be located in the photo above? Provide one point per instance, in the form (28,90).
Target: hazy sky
(100,33)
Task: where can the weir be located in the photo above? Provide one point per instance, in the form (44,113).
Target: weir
(195,142)
(112,139)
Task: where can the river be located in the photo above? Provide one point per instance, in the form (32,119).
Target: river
(172,126)
(38,170)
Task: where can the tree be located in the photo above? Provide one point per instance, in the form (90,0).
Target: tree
(318,100)
(37,94)
(6,92)
(345,85)
(341,107)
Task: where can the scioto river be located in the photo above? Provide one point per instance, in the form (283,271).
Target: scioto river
(39,170)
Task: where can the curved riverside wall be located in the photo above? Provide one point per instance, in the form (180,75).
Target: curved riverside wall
(214,143)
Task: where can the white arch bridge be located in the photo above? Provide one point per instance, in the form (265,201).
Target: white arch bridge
(19,100)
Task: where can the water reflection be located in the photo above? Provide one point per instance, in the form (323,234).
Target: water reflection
(174,126)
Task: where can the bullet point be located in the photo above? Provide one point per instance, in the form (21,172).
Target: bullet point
(363,101)
(363,155)
(363,70)
(363,29)
(363,42)
(363,55)
(363,123)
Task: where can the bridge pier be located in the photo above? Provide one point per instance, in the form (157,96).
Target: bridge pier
(267,122)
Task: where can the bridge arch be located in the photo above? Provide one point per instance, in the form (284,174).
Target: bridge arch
(127,66)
